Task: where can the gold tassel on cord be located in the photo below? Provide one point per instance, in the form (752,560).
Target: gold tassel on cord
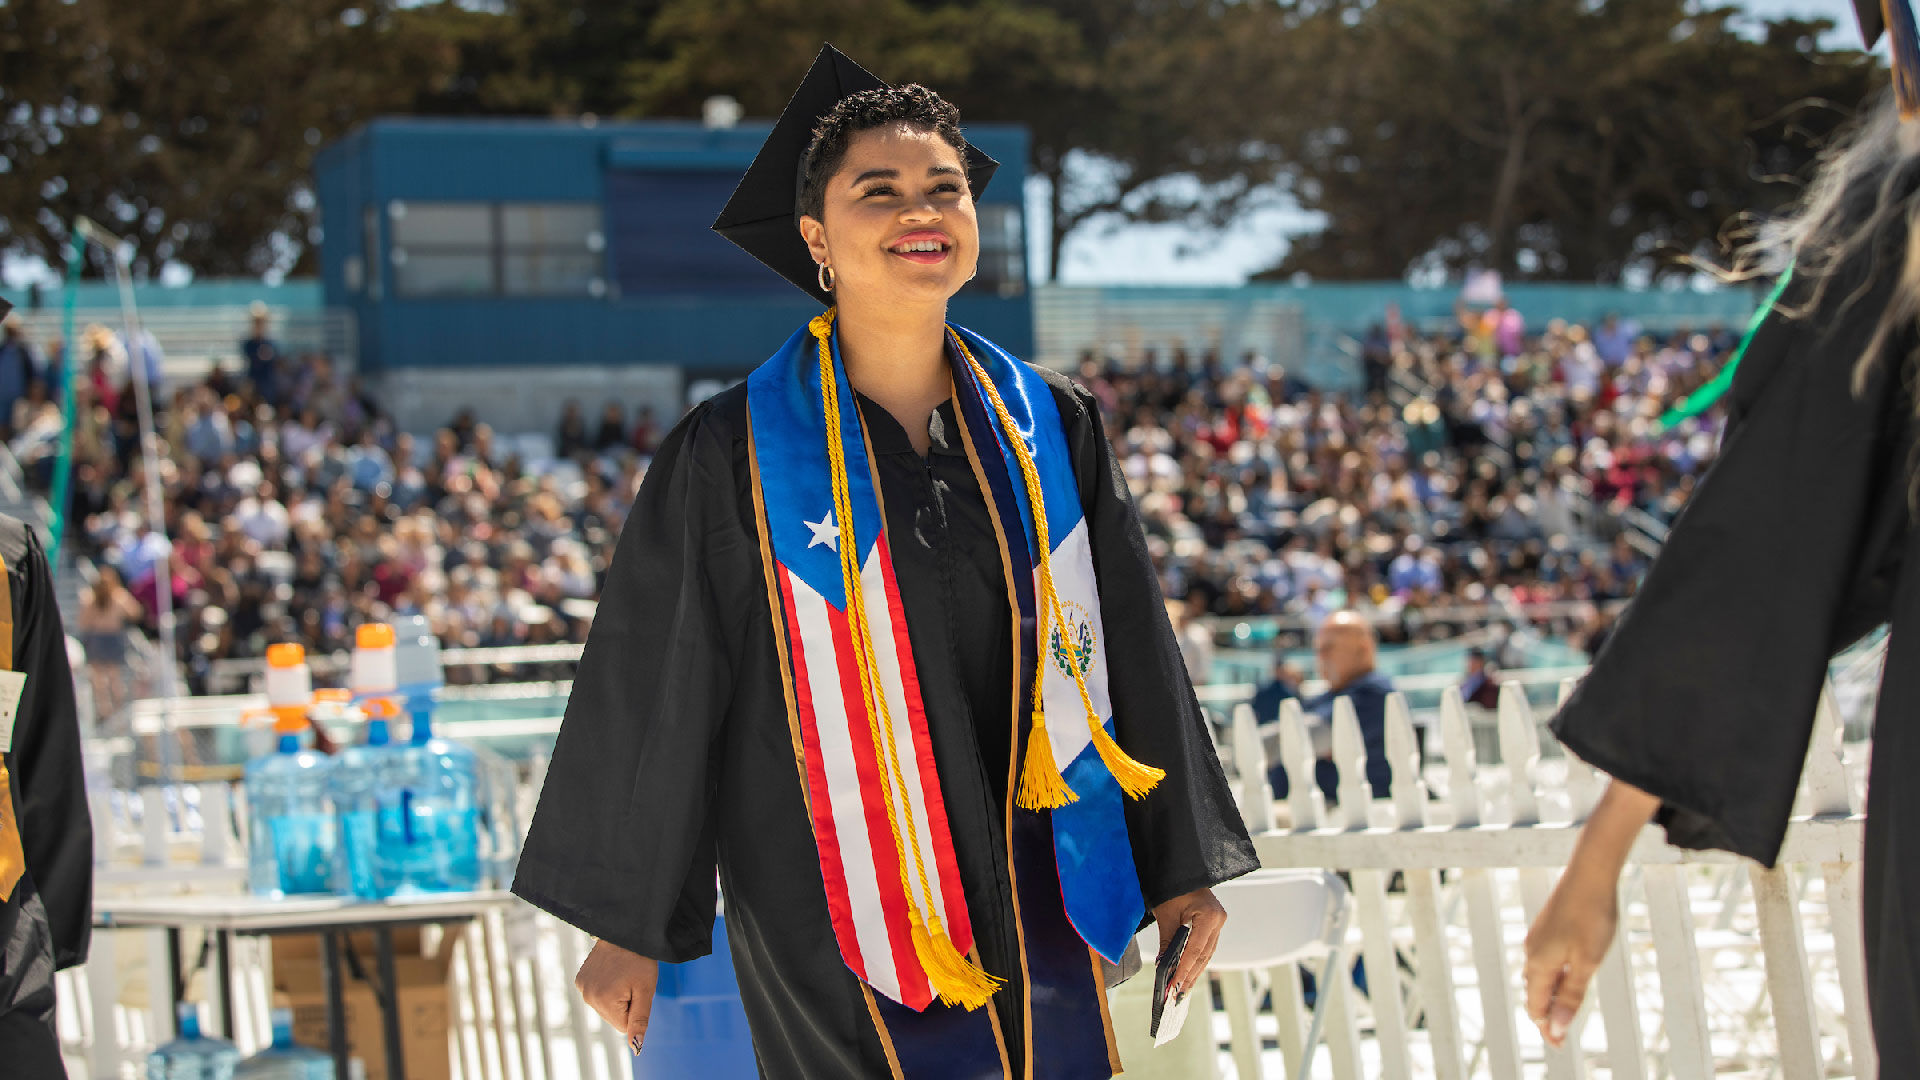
(1135,779)
(1041,785)
(954,977)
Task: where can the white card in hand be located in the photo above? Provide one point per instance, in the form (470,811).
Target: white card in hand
(1173,1017)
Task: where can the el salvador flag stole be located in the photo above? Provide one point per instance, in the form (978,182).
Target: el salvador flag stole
(854,705)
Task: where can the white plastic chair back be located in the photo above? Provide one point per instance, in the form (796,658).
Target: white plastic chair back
(1277,916)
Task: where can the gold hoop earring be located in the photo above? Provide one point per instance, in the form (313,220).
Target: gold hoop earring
(824,274)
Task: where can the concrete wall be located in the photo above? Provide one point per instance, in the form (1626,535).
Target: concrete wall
(529,399)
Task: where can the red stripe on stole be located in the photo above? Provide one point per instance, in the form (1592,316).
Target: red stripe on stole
(833,870)
(953,896)
(915,991)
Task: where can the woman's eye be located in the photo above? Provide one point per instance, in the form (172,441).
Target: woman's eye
(950,188)
(881,189)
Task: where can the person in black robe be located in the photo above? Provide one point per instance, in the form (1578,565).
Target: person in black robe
(46,832)
(1799,541)
(675,757)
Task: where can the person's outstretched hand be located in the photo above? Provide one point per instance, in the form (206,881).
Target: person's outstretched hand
(1571,936)
(1204,913)
(1565,947)
(619,985)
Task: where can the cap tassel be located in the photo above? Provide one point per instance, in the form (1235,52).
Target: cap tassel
(1041,785)
(956,979)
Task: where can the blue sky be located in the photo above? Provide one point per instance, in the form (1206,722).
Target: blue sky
(1172,254)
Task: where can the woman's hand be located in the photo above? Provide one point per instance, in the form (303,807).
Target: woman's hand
(619,985)
(1575,928)
(1565,947)
(1200,910)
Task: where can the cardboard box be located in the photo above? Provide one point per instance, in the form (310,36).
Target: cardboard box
(425,1019)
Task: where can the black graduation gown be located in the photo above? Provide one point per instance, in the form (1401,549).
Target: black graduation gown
(675,757)
(46,922)
(1797,543)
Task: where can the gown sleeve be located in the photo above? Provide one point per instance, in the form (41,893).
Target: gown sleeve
(622,842)
(1186,833)
(56,829)
(1704,695)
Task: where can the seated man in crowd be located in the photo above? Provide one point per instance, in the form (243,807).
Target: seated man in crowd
(1345,651)
(1481,686)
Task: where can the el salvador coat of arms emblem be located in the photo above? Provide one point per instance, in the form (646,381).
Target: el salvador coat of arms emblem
(1080,625)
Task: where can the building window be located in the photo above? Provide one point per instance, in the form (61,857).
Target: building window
(1003,252)
(496,249)
(657,228)
(550,249)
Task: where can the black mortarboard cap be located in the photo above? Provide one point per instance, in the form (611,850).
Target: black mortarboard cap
(5,306)
(761,217)
(1871,24)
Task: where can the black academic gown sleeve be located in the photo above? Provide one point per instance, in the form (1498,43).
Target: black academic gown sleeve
(1705,693)
(53,907)
(1186,833)
(622,842)
(56,830)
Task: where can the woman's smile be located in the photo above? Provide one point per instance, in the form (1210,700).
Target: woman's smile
(924,246)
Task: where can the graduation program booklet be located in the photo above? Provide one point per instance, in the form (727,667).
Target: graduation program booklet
(1169,1017)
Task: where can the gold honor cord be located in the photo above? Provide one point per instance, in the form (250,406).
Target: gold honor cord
(1041,785)
(956,979)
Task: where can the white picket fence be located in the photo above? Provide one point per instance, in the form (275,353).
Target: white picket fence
(1722,967)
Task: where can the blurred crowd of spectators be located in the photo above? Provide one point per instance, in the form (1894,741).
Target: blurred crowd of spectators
(297,511)
(1483,466)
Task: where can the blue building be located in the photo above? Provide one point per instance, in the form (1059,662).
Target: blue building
(507,265)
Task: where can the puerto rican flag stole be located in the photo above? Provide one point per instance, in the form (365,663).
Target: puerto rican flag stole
(854,703)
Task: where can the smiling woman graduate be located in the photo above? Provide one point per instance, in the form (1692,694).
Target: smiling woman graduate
(882,644)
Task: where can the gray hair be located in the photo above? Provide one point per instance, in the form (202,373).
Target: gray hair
(1862,194)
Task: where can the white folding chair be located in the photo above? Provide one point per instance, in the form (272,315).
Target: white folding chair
(1278,917)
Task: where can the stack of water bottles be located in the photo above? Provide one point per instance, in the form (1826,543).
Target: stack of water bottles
(194,1056)
(379,819)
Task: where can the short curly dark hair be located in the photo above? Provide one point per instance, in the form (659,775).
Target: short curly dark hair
(880,107)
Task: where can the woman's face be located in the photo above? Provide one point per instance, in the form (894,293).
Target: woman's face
(897,221)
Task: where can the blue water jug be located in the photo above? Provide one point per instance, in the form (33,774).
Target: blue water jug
(292,839)
(192,1056)
(293,843)
(429,813)
(429,817)
(361,781)
(285,1059)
